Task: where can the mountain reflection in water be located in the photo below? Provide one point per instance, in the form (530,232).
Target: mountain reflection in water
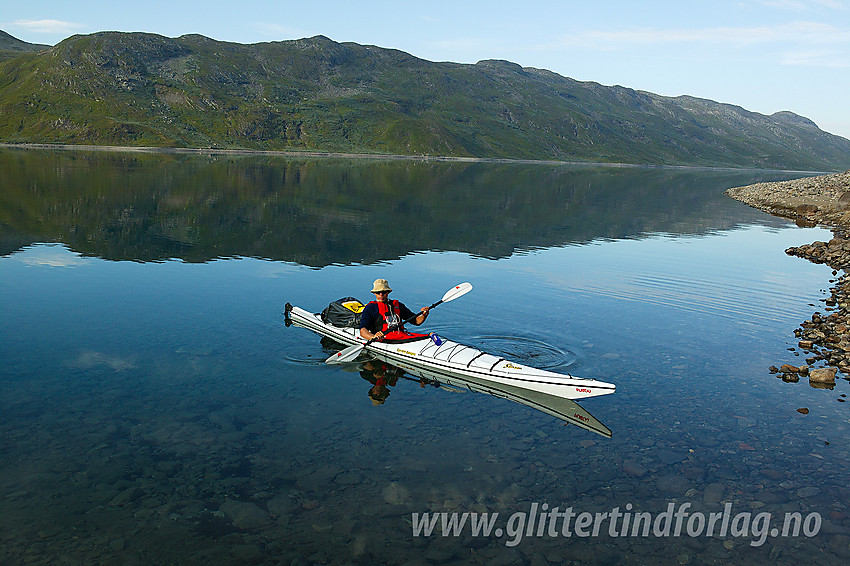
(149,207)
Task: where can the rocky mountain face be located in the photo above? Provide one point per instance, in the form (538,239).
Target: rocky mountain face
(318,95)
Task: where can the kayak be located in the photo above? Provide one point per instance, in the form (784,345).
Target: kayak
(454,362)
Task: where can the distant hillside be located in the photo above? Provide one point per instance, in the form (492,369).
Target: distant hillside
(12,46)
(316,94)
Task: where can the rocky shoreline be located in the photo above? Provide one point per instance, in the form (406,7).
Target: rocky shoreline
(815,201)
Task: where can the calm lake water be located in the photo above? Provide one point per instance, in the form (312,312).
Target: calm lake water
(156,410)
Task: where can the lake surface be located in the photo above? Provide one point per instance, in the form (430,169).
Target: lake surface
(156,409)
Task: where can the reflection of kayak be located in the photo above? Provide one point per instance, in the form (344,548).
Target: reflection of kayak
(456,363)
(559,407)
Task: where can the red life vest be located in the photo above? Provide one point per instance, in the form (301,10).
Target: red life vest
(399,334)
(385,311)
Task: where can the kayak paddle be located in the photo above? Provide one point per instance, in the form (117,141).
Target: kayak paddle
(352,352)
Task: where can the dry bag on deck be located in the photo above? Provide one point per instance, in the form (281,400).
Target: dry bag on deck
(344,312)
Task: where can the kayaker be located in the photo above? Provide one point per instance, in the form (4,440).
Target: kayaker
(380,314)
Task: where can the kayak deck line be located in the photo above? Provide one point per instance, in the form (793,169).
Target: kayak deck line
(476,357)
(454,360)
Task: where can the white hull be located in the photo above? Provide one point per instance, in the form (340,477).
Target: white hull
(455,363)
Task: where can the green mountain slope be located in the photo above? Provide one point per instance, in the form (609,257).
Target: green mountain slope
(12,46)
(316,94)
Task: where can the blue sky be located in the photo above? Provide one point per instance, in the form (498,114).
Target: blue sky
(764,55)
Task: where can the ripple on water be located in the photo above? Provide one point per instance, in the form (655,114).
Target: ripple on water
(526,351)
(307,352)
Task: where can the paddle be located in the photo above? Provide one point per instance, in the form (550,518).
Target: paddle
(352,352)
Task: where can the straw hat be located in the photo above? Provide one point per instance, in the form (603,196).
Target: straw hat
(380,285)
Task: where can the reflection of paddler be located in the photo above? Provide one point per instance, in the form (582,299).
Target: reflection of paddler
(382,377)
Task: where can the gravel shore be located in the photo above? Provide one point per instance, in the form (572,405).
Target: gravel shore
(815,201)
(822,200)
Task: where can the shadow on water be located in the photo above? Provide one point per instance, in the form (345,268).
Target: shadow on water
(323,212)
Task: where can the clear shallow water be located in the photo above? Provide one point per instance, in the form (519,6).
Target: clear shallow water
(157,410)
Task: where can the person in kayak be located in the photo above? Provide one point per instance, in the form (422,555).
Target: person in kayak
(380,314)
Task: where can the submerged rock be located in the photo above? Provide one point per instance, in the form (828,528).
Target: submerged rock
(126,496)
(634,469)
(673,484)
(245,515)
(395,494)
(713,493)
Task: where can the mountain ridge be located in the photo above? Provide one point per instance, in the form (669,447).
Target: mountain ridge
(11,46)
(314,94)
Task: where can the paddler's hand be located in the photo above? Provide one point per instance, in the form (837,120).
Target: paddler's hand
(420,318)
(378,335)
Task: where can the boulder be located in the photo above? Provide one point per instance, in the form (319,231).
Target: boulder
(822,375)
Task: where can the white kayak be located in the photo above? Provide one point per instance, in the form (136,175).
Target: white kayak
(454,362)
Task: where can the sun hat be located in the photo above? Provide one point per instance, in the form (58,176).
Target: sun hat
(380,285)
